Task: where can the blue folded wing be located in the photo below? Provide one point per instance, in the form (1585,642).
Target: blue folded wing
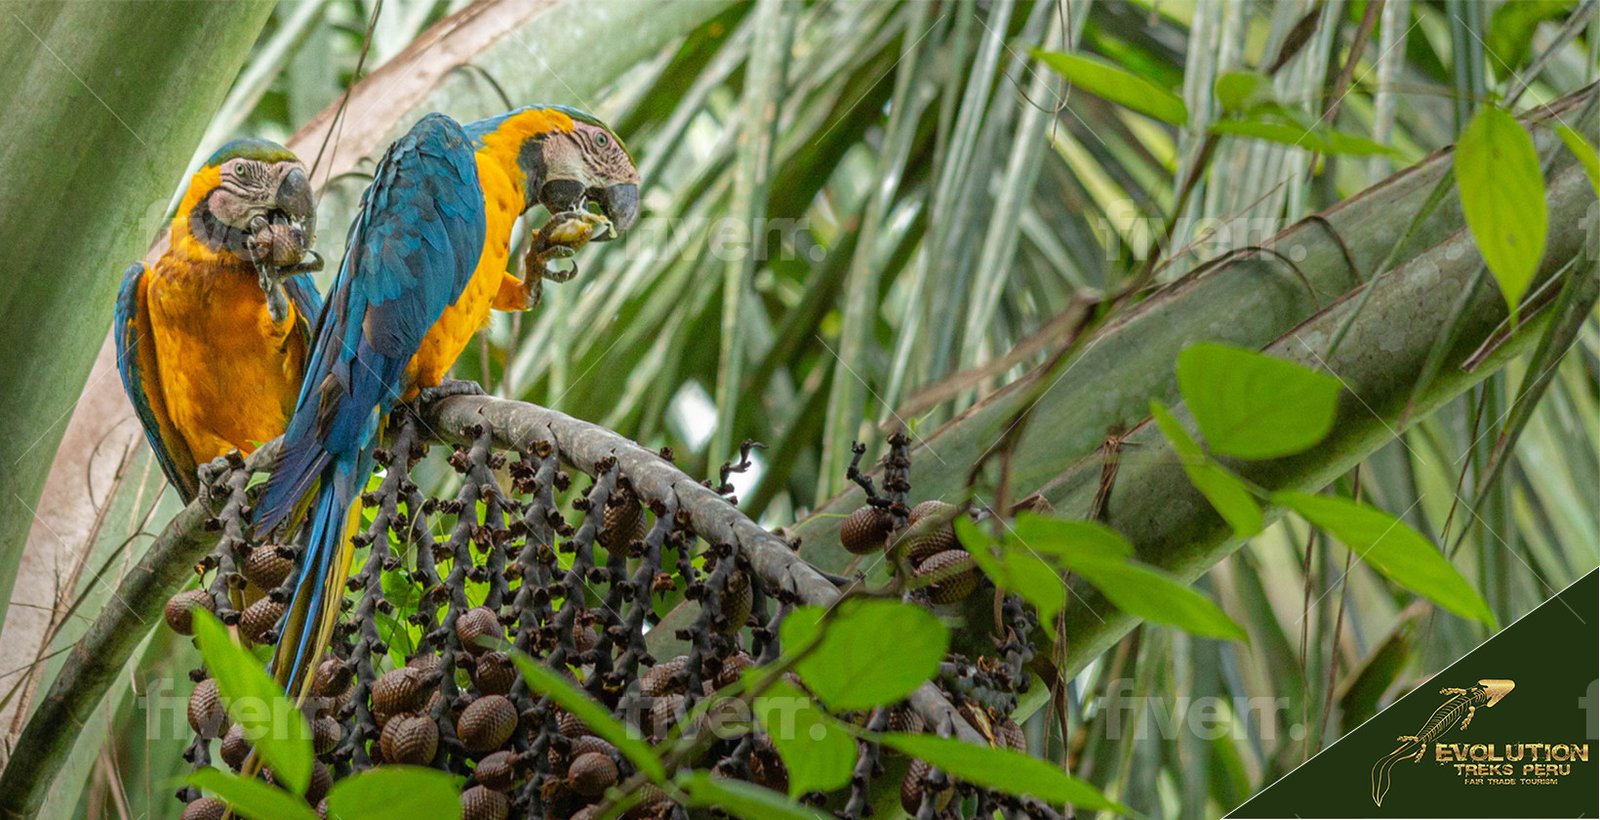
(136,362)
(411,251)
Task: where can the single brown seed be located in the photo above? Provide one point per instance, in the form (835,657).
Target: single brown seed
(265,568)
(912,787)
(733,667)
(206,715)
(487,723)
(866,530)
(325,734)
(409,739)
(260,618)
(398,690)
(1011,734)
(589,743)
(493,673)
(321,782)
(205,808)
(497,771)
(906,720)
(483,803)
(478,623)
(663,678)
(180,609)
(591,774)
(665,713)
(737,599)
(623,521)
(426,662)
(332,678)
(570,725)
(932,507)
(234,747)
(948,576)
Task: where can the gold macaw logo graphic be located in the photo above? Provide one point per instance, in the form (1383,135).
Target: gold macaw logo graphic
(1461,705)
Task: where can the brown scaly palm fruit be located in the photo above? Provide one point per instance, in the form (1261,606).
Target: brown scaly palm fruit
(583,634)
(325,734)
(206,715)
(570,725)
(483,803)
(906,720)
(866,530)
(1010,733)
(206,808)
(664,714)
(912,787)
(493,673)
(941,539)
(478,623)
(663,678)
(409,738)
(487,723)
(737,600)
(260,618)
(427,662)
(266,568)
(766,767)
(949,576)
(591,774)
(497,771)
(234,747)
(180,610)
(321,782)
(332,678)
(623,521)
(653,801)
(399,690)
(733,667)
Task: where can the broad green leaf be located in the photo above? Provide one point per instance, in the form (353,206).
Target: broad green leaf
(278,729)
(741,799)
(1229,495)
(1151,595)
(1251,405)
(1394,549)
(816,752)
(1015,569)
(252,798)
(1103,557)
(1584,151)
(1003,770)
(1502,197)
(1058,536)
(1317,138)
(868,653)
(1117,85)
(626,738)
(396,793)
(1239,91)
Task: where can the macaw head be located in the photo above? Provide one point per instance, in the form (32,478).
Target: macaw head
(584,168)
(252,200)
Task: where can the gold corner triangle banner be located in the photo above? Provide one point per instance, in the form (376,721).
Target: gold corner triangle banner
(1509,730)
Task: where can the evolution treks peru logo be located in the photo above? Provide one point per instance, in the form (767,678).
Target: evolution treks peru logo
(1478,764)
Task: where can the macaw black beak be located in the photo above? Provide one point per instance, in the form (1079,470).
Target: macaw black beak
(295,200)
(622,206)
(561,195)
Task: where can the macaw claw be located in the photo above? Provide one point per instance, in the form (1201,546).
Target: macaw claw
(447,388)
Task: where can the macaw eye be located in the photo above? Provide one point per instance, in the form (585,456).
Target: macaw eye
(602,140)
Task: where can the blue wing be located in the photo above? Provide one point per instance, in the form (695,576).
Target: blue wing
(136,362)
(411,251)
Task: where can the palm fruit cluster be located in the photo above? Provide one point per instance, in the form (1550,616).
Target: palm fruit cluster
(516,559)
(421,673)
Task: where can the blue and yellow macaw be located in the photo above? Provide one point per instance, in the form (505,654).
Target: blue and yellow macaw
(212,341)
(425,262)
